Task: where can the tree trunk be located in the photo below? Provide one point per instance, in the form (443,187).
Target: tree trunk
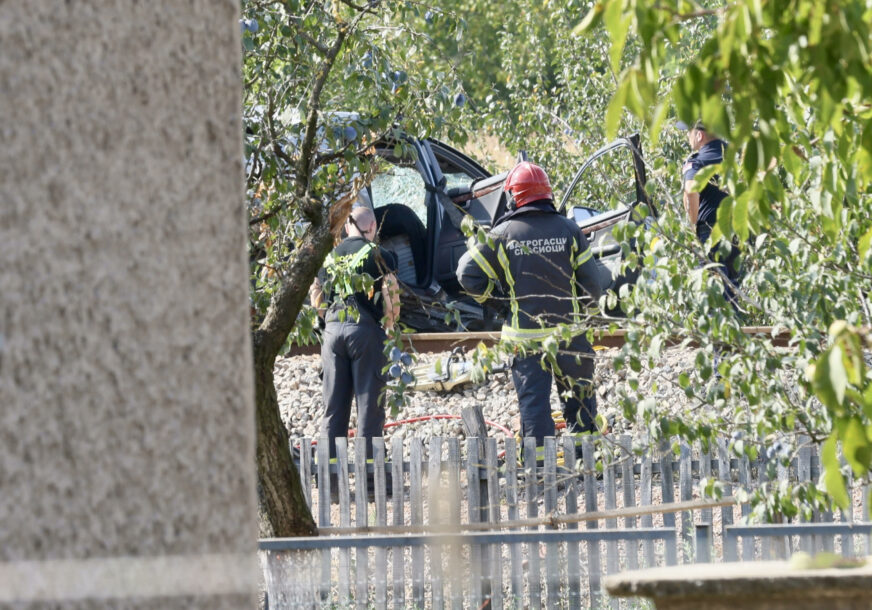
(283,508)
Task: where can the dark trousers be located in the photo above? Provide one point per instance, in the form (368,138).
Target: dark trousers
(352,356)
(532,377)
(727,254)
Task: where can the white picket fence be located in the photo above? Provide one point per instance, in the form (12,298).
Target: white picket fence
(461,532)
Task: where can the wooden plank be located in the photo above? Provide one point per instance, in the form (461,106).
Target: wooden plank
(361,595)
(847,515)
(745,483)
(766,550)
(705,472)
(416,516)
(531,485)
(434,484)
(398,552)
(552,550)
(646,480)
(453,494)
(667,487)
(473,491)
(594,567)
(573,561)
(628,488)
(731,552)
(306,469)
(495,573)
(324,515)
(344,517)
(781,545)
(867,490)
(513,513)
(803,471)
(685,490)
(445,342)
(381,518)
(611,502)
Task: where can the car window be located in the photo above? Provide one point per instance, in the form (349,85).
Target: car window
(457,179)
(607,183)
(395,184)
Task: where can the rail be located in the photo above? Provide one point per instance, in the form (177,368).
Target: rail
(444,342)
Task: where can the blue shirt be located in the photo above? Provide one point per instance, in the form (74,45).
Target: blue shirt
(711,196)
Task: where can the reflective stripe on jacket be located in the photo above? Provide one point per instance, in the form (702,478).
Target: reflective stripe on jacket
(538,265)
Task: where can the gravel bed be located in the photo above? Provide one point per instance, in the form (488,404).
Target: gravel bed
(299,393)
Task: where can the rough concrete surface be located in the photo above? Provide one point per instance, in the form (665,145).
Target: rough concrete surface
(126,400)
(770,585)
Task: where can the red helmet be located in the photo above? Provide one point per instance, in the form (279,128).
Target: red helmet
(527,182)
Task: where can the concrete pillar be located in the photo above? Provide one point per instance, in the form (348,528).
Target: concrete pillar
(126,397)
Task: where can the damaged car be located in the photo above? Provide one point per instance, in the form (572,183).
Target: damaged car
(424,189)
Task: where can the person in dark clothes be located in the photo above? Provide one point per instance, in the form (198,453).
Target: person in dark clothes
(702,206)
(542,265)
(352,344)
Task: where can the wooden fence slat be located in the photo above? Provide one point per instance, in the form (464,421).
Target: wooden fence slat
(306,469)
(667,487)
(745,483)
(646,499)
(381,518)
(398,552)
(495,575)
(573,561)
(531,485)
(453,495)
(685,489)
(513,512)
(803,471)
(434,483)
(416,507)
(473,494)
(628,488)
(847,515)
(324,514)
(731,552)
(782,543)
(361,519)
(594,567)
(611,502)
(552,550)
(705,472)
(766,550)
(344,517)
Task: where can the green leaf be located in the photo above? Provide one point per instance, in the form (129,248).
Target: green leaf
(593,18)
(616,110)
(864,243)
(837,374)
(833,480)
(740,218)
(823,380)
(856,447)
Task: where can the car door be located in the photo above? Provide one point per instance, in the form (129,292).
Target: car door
(605,191)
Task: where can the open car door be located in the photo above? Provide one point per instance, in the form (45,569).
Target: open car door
(605,191)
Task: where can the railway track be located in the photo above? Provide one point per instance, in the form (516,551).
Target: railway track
(444,342)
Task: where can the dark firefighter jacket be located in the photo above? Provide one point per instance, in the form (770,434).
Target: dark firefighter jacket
(538,268)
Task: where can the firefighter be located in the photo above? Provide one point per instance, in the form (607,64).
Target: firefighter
(352,344)
(540,266)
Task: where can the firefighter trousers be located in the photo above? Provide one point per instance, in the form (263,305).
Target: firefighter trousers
(573,375)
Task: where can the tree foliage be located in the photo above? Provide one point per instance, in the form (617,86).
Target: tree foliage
(787,83)
(324,81)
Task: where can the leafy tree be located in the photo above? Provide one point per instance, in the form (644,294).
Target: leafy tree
(324,80)
(787,83)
